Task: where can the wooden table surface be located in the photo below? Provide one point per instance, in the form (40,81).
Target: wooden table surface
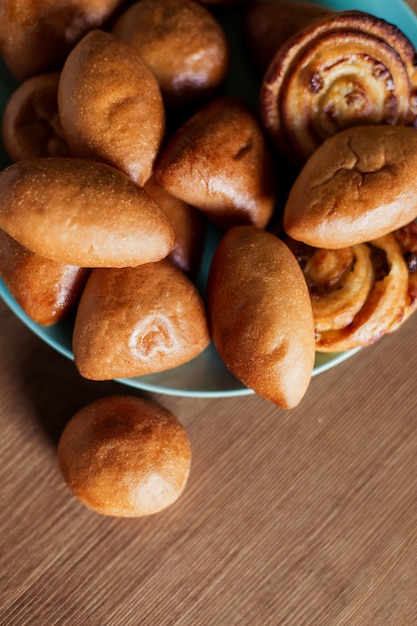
(302,517)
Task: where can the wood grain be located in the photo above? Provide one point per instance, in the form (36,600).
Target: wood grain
(301,517)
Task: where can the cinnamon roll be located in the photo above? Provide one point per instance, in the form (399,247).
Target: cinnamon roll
(358,294)
(347,69)
(407,239)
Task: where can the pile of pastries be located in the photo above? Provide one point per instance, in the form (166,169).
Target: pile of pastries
(125,145)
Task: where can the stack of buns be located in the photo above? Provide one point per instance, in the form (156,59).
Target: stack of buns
(106,203)
(125,456)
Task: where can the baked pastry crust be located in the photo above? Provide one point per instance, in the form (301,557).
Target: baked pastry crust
(182,43)
(125,456)
(46,290)
(358,294)
(110,105)
(360,184)
(82,212)
(347,69)
(260,314)
(219,162)
(137,321)
(37,35)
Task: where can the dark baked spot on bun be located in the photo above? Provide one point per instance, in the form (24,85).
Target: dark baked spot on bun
(125,456)
(360,184)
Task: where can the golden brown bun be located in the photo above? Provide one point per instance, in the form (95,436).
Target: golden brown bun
(346,69)
(110,105)
(188,224)
(37,35)
(260,315)
(82,213)
(137,321)
(218,161)
(31,126)
(269,23)
(125,456)
(358,185)
(182,43)
(47,291)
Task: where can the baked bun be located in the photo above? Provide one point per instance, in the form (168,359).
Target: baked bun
(82,213)
(37,35)
(260,314)
(182,43)
(346,69)
(110,105)
(268,24)
(360,184)
(137,321)
(125,456)
(47,291)
(219,162)
(31,126)
(189,226)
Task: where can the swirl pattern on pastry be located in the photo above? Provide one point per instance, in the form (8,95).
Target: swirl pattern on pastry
(347,69)
(407,239)
(358,294)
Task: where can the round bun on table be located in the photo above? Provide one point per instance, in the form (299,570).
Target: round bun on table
(82,212)
(260,314)
(125,456)
(360,184)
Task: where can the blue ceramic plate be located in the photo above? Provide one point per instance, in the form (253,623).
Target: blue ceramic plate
(206,376)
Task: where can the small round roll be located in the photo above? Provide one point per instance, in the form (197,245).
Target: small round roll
(360,184)
(125,456)
(182,43)
(261,316)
